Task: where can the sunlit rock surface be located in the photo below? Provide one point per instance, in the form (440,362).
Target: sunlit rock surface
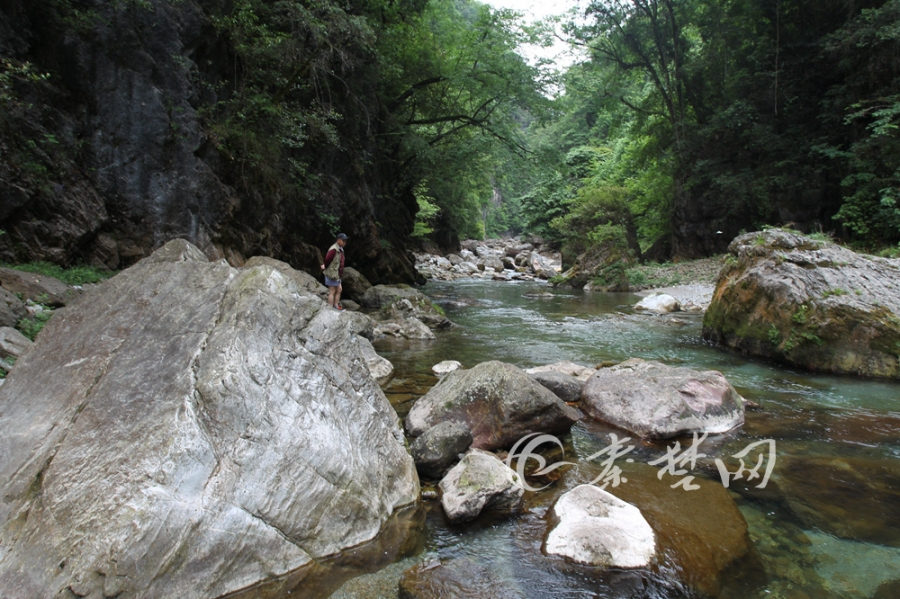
(597,528)
(189,431)
(653,400)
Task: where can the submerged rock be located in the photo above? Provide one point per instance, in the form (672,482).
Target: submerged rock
(499,403)
(658,401)
(808,303)
(439,447)
(457,578)
(479,483)
(191,431)
(700,534)
(597,528)
(852,498)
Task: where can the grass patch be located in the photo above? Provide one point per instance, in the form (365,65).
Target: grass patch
(31,328)
(76,275)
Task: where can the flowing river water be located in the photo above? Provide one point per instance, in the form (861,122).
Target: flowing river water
(827,525)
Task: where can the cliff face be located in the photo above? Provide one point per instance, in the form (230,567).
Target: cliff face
(109,146)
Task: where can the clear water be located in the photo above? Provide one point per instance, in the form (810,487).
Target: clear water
(814,419)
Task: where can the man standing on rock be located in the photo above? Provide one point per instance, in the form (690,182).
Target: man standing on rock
(334,271)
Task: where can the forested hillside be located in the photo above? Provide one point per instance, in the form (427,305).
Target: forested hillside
(690,121)
(265,127)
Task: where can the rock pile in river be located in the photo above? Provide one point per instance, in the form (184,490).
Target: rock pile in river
(501,259)
(809,303)
(188,430)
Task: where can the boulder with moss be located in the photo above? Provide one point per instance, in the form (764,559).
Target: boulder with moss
(809,303)
(399,302)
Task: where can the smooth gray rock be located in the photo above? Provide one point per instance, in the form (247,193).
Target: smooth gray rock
(13,343)
(596,528)
(566,387)
(406,328)
(349,305)
(305,280)
(12,310)
(653,400)
(439,447)
(499,403)
(478,483)
(446,367)
(39,288)
(192,430)
(381,368)
(808,303)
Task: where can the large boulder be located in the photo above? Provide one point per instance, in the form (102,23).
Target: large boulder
(653,400)
(596,528)
(499,403)
(12,310)
(808,303)
(39,288)
(191,431)
(479,483)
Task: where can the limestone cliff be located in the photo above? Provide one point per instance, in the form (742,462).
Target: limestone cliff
(117,134)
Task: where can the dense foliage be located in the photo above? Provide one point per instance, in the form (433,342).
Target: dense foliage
(439,85)
(712,117)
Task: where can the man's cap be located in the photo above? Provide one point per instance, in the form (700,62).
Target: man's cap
(342,236)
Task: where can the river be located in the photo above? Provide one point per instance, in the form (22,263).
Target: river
(830,527)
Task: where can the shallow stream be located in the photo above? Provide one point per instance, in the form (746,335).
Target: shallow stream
(827,525)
